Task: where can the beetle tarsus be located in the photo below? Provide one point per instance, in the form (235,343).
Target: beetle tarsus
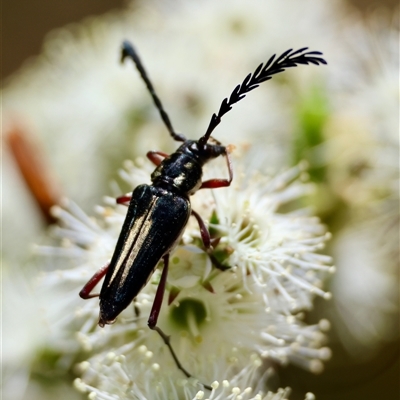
(167,340)
(124,200)
(85,293)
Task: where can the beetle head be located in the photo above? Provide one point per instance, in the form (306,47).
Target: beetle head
(202,152)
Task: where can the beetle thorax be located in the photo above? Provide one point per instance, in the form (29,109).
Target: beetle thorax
(180,172)
(183,170)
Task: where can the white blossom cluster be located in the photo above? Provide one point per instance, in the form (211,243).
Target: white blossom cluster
(76,96)
(225,325)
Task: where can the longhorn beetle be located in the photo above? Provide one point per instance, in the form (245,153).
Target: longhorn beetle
(158,213)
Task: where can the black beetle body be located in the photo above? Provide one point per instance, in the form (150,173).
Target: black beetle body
(156,218)
(141,245)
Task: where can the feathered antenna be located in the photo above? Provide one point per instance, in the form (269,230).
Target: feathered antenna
(262,73)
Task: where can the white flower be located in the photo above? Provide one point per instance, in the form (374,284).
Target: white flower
(278,251)
(76,95)
(114,378)
(215,317)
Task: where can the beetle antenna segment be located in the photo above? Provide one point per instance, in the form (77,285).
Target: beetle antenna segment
(129,51)
(262,73)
